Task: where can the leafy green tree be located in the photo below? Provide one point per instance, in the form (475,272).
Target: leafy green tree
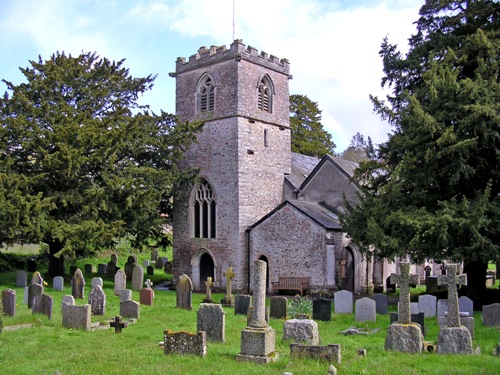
(359,149)
(82,163)
(433,191)
(308,135)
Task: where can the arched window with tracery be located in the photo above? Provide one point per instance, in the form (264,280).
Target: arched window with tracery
(206,94)
(204,211)
(265,94)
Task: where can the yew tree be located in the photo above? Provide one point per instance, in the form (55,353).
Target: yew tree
(82,162)
(433,191)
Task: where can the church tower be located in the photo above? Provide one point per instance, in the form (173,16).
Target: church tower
(243,154)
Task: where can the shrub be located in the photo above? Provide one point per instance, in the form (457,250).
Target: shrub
(298,306)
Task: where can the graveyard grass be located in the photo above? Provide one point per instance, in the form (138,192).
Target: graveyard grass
(47,347)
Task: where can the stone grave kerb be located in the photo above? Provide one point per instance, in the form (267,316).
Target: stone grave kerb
(404,279)
(451,279)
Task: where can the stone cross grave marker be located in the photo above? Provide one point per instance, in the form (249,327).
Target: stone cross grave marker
(209,284)
(228,298)
(404,279)
(149,284)
(78,284)
(184,290)
(118,324)
(451,279)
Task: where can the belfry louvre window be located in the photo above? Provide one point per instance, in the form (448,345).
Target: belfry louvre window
(206,94)
(265,94)
(204,211)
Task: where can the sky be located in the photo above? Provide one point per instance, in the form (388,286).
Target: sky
(332,45)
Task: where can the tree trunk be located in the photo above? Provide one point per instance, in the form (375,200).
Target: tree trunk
(56,264)
(476,282)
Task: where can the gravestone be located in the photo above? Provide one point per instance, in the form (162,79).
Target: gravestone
(427,305)
(21,279)
(129,268)
(69,299)
(278,307)
(466,321)
(183,343)
(184,290)
(389,285)
(301,331)
(101,269)
(58,283)
(380,303)
(228,299)
(154,255)
(78,285)
(125,295)
(114,259)
(9,302)
(454,338)
(130,309)
(145,263)
(111,269)
(242,303)
(33,291)
(322,309)
(76,317)
(42,304)
(442,307)
(169,266)
(37,278)
(120,282)
(413,307)
(343,302)
(159,264)
(365,310)
(491,315)
(26,295)
(88,269)
(97,301)
(31,263)
(465,304)
(137,278)
(118,324)
(208,296)
(258,339)
(415,318)
(165,260)
(149,285)
(329,353)
(96,281)
(150,270)
(211,318)
(146,296)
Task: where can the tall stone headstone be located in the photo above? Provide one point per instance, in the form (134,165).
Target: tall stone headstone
(184,290)
(228,299)
(258,339)
(427,305)
(42,304)
(111,269)
(58,283)
(278,307)
(137,277)
(129,266)
(154,255)
(114,259)
(365,310)
(97,301)
(21,279)
(78,285)
(242,303)
(120,281)
(343,302)
(9,302)
(211,318)
(33,291)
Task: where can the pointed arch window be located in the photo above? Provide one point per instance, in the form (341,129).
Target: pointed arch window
(204,211)
(265,94)
(206,94)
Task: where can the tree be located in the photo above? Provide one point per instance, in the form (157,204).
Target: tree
(308,135)
(82,163)
(433,191)
(359,150)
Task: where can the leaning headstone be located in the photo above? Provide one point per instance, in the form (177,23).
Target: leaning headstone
(228,299)
(365,310)
(137,278)
(322,309)
(329,353)
(101,269)
(211,318)
(37,278)
(78,285)
(242,303)
(208,284)
(42,304)
(442,307)
(97,301)
(33,291)
(146,297)
(9,302)
(111,269)
(465,304)
(130,309)
(258,339)
(427,305)
(114,259)
(278,307)
(343,302)
(454,338)
(380,303)
(183,343)
(184,290)
(21,279)
(96,281)
(154,255)
(76,317)
(120,282)
(301,331)
(491,315)
(88,269)
(125,295)
(58,283)
(150,270)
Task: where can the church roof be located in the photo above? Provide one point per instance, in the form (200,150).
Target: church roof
(302,166)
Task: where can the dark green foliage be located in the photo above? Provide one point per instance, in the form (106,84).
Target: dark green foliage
(1,315)
(81,161)
(308,135)
(433,189)
(359,149)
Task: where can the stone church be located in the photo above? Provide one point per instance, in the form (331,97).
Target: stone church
(255,199)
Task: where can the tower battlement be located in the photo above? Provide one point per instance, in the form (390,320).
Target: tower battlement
(237,51)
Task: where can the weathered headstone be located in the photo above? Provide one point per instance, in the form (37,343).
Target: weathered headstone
(380,303)
(137,277)
(211,318)
(96,281)
(454,338)
(427,305)
(130,309)
(33,291)
(150,270)
(228,299)
(322,309)
(415,318)
(68,299)
(365,310)
(278,307)
(466,321)
(491,315)
(88,269)
(258,339)
(114,259)
(465,304)
(301,331)
(120,281)
(101,269)
(125,295)
(37,278)
(111,269)
(78,284)
(168,268)
(58,283)
(76,317)
(329,353)
(159,264)
(343,302)
(42,304)
(208,284)
(21,279)
(183,343)
(9,302)
(154,255)
(242,303)
(184,290)
(97,301)
(145,263)
(146,296)
(118,324)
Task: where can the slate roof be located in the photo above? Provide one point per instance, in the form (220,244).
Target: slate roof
(302,166)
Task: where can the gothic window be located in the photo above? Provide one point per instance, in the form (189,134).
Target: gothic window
(265,94)
(204,211)
(206,94)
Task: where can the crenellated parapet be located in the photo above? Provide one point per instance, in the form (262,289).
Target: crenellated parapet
(237,51)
